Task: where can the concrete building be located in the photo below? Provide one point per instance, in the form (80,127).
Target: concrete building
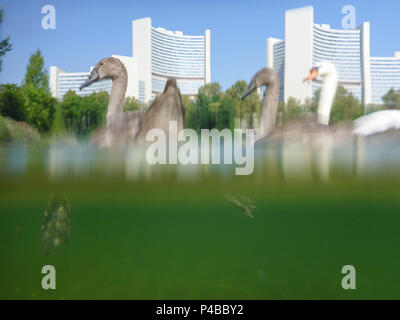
(163,54)
(307,43)
(60,81)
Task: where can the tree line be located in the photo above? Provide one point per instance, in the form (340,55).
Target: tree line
(31,102)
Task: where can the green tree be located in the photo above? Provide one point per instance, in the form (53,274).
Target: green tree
(82,115)
(244,110)
(41,105)
(58,127)
(391,99)
(292,108)
(190,119)
(5,45)
(36,74)
(5,135)
(13,102)
(40,108)
(345,106)
(208,101)
(132,104)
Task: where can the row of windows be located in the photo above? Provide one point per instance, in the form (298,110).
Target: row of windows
(177,56)
(279,65)
(73,83)
(177,72)
(177,40)
(336,33)
(177,60)
(186,87)
(337,42)
(173,47)
(336,51)
(142,87)
(176,63)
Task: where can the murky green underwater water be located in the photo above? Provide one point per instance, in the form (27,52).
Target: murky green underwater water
(182,240)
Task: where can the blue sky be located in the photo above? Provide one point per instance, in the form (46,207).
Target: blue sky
(88,30)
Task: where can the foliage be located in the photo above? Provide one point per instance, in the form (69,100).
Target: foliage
(16,131)
(58,127)
(132,104)
(345,106)
(392,99)
(244,109)
(13,102)
(5,45)
(32,105)
(5,135)
(211,109)
(189,105)
(82,115)
(40,109)
(36,74)
(292,109)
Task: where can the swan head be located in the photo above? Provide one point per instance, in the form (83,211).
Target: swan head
(107,68)
(264,77)
(321,69)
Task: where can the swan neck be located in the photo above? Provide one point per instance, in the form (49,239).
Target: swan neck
(270,109)
(328,92)
(117,98)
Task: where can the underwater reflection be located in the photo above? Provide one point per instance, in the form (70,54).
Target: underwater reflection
(56,223)
(242,203)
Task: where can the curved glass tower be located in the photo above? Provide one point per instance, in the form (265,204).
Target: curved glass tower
(163,54)
(341,47)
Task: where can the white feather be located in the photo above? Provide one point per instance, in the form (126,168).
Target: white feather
(377,122)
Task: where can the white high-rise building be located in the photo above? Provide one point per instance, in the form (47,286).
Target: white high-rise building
(307,43)
(158,54)
(163,54)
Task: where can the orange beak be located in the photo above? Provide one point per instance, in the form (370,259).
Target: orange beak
(312,76)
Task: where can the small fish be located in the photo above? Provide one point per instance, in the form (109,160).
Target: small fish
(242,203)
(56,223)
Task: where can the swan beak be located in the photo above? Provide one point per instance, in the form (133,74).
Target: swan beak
(93,77)
(312,76)
(252,86)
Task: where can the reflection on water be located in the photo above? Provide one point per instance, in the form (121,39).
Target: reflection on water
(242,203)
(294,158)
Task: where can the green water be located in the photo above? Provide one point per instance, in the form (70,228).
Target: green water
(168,239)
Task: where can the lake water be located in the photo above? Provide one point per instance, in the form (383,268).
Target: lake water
(142,232)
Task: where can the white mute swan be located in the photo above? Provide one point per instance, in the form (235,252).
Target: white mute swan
(376,122)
